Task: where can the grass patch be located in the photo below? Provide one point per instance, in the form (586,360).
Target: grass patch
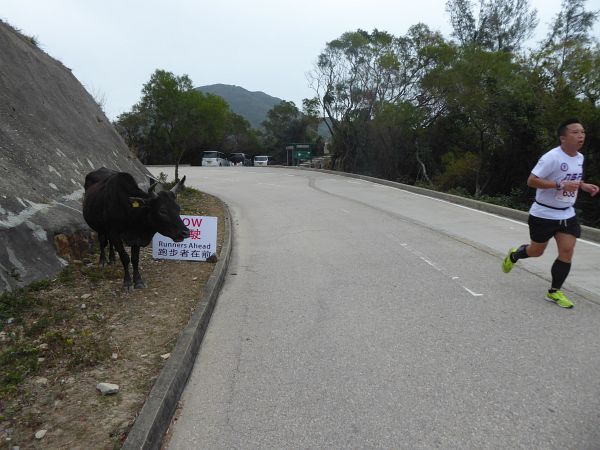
(17,362)
(97,274)
(14,304)
(67,276)
(79,349)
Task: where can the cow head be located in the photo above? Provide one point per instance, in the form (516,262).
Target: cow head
(162,212)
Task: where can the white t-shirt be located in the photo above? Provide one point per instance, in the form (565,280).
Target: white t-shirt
(557,166)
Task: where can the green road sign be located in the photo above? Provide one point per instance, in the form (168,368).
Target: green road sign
(302,154)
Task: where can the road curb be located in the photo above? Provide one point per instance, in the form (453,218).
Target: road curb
(588,233)
(155,417)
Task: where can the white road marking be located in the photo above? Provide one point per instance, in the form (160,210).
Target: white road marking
(471,292)
(434,265)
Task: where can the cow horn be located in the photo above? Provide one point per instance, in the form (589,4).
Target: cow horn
(179,186)
(154,182)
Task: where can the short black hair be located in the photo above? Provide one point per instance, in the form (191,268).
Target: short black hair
(562,128)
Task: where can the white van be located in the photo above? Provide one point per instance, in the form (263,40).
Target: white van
(214,159)
(261,160)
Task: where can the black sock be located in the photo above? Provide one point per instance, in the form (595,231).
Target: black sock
(559,271)
(521,253)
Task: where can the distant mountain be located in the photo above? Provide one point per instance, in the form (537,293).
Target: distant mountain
(253,106)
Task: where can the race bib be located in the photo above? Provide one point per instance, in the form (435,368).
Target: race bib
(565,196)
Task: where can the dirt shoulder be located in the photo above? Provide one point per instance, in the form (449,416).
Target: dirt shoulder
(62,337)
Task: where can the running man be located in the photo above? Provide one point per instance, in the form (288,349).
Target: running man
(557,178)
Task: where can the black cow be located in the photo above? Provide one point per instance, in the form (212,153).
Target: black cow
(120,212)
(95,177)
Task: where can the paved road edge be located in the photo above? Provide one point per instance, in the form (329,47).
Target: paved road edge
(588,233)
(155,417)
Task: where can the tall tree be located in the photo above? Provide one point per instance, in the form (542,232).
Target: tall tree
(359,72)
(490,100)
(497,25)
(566,53)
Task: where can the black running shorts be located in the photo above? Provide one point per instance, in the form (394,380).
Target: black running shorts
(541,230)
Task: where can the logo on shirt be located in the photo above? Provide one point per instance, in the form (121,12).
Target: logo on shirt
(564,167)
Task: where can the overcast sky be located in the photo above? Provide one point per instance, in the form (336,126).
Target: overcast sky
(113,46)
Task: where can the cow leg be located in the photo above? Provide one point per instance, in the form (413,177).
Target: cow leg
(125,261)
(103,240)
(138,283)
(111,253)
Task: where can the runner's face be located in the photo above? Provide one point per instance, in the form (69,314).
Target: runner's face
(573,138)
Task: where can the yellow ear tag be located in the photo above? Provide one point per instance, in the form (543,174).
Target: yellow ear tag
(135,204)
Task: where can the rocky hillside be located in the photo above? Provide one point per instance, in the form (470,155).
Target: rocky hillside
(52,133)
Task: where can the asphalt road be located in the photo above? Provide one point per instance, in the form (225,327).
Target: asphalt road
(356,315)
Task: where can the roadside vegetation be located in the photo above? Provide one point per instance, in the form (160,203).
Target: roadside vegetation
(33,40)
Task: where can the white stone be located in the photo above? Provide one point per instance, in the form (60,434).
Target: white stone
(42,381)
(40,434)
(165,356)
(114,356)
(85,296)
(107,388)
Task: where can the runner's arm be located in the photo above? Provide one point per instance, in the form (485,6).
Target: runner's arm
(591,189)
(540,183)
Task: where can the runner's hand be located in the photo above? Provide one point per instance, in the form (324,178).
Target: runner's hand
(591,189)
(571,186)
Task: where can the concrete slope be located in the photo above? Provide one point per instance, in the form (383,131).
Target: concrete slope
(52,133)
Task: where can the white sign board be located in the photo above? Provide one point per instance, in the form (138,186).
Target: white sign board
(201,244)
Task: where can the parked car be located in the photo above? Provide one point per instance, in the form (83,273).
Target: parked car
(262,160)
(214,159)
(240,159)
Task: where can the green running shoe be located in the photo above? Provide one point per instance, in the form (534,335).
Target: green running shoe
(507,264)
(560,299)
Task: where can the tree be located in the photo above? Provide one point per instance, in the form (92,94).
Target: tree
(499,25)
(489,99)
(130,125)
(240,137)
(173,118)
(359,72)
(566,58)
